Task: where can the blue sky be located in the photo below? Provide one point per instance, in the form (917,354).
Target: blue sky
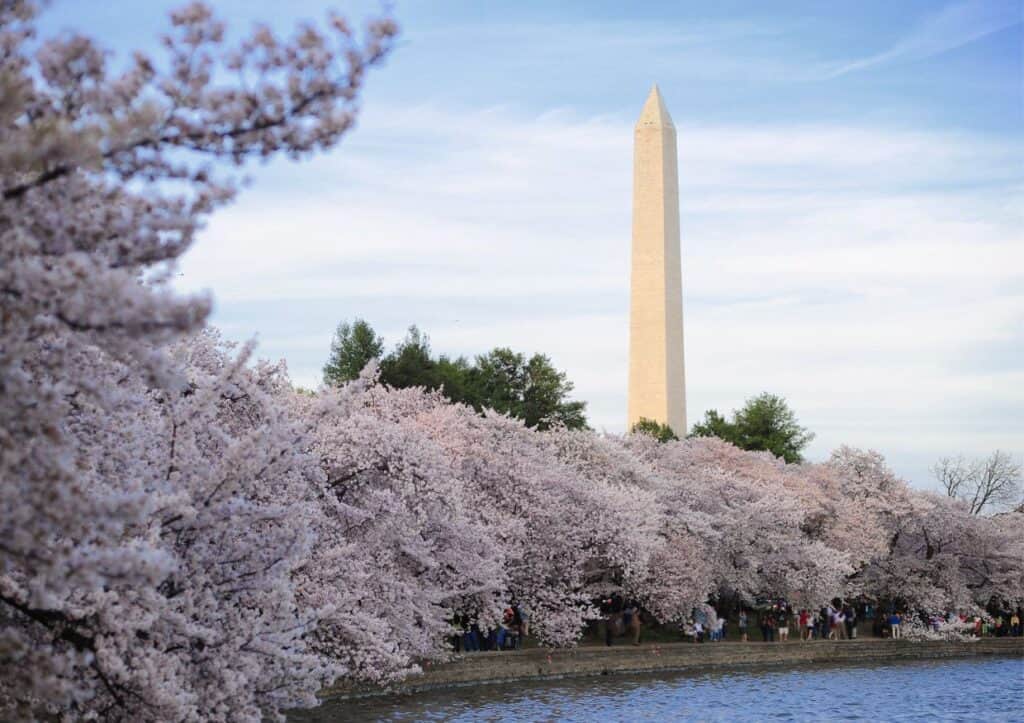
(851,200)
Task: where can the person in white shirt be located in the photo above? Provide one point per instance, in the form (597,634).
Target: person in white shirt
(840,626)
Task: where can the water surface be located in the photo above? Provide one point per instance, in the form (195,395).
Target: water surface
(956,690)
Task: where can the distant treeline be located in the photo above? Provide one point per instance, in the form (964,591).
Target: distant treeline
(508,382)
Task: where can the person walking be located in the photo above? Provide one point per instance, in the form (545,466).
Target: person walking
(743,625)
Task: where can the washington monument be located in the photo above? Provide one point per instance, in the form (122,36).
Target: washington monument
(657,386)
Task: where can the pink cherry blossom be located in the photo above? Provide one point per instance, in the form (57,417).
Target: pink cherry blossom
(187,536)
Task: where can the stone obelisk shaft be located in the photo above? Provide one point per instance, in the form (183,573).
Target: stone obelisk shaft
(657,387)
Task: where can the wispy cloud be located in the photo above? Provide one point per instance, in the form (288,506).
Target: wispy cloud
(951,27)
(849,268)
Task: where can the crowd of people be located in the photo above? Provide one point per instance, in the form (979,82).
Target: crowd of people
(776,622)
(838,620)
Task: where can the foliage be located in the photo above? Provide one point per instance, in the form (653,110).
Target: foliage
(354,346)
(715,425)
(528,389)
(411,363)
(764,423)
(661,432)
(508,382)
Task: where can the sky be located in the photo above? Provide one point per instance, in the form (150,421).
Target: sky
(851,180)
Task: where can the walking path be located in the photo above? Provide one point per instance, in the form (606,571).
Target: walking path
(493,667)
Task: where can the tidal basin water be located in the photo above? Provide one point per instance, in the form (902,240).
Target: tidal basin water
(958,690)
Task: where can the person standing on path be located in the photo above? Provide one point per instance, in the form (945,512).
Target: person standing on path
(894,625)
(634,623)
(743,625)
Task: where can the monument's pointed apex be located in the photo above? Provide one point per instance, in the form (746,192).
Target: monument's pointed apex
(654,113)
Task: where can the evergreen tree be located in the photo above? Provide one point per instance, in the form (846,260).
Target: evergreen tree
(352,348)
(764,423)
(530,389)
(658,430)
(410,363)
(715,425)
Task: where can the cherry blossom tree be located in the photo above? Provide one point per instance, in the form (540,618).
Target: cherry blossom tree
(678,575)
(942,558)
(186,536)
(933,554)
(567,540)
(400,550)
(753,513)
(145,549)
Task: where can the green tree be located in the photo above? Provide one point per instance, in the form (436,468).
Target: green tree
(529,389)
(658,430)
(503,380)
(352,348)
(455,377)
(765,422)
(410,363)
(715,425)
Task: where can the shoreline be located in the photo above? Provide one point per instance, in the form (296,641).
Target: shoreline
(486,668)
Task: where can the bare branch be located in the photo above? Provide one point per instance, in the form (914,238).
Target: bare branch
(984,484)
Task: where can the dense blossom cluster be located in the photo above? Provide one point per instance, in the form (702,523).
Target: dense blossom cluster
(154,506)
(186,536)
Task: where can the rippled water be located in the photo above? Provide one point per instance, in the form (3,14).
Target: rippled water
(959,690)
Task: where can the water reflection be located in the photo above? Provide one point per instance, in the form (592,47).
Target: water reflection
(962,690)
